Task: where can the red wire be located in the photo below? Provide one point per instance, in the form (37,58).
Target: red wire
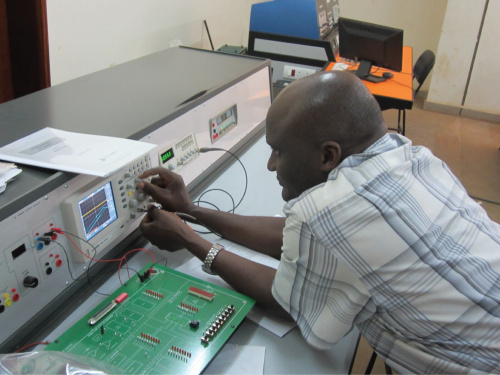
(33,344)
(132,251)
(124,257)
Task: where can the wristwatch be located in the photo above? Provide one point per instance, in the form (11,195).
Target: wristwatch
(207,264)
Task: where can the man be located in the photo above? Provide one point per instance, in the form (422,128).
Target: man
(378,234)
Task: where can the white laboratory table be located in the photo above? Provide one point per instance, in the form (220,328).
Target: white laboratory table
(287,355)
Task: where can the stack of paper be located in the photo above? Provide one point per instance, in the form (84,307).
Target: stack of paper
(95,155)
(7,172)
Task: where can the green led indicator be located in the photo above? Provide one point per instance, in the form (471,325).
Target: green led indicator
(167,155)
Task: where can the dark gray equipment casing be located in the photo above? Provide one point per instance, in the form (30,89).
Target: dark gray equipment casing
(174,99)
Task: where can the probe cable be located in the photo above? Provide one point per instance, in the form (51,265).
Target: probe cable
(208,149)
(194,220)
(484,200)
(198,201)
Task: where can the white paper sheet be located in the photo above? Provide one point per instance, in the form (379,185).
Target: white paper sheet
(340,66)
(74,152)
(238,360)
(250,254)
(7,172)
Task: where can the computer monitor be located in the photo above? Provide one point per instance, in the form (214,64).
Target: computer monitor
(371,44)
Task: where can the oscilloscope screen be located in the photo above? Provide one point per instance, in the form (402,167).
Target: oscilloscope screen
(97,210)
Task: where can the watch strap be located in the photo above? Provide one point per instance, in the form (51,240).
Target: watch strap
(207,264)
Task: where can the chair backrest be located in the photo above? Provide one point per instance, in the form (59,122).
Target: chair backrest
(422,67)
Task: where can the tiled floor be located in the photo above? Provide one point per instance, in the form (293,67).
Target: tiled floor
(469,147)
(471,150)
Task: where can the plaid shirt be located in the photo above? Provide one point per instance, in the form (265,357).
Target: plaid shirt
(393,244)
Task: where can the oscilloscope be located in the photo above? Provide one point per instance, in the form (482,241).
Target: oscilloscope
(97,212)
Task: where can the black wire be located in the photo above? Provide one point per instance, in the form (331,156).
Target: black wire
(67,260)
(129,268)
(164,259)
(353,68)
(224,191)
(207,149)
(194,220)
(484,200)
(401,84)
(211,204)
(88,267)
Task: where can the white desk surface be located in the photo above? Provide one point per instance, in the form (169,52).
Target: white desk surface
(287,355)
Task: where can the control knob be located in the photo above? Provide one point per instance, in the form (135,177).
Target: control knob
(30,282)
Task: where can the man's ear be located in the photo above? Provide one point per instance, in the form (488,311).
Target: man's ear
(331,153)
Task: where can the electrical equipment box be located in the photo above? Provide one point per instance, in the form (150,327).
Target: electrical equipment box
(297,35)
(223,122)
(166,99)
(179,154)
(312,19)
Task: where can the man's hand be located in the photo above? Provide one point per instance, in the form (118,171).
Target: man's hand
(165,230)
(168,189)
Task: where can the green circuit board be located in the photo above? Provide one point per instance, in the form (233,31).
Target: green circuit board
(168,323)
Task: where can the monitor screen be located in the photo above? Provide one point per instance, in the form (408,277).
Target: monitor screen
(97,210)
(371,44)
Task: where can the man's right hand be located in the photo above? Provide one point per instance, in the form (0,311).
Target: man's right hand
(168,189)
(165,230)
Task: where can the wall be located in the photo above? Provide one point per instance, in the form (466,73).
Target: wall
(462,83)
(91,35)
(484,86)
(455,52)
(86,36)
(421,20)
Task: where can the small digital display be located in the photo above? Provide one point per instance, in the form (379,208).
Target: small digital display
(224,116)
(167,155)
(17,252)
(97,210)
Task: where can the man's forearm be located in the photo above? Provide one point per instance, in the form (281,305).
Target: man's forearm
(260,233)
(252,279)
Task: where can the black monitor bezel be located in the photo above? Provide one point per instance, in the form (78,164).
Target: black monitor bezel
(392,60)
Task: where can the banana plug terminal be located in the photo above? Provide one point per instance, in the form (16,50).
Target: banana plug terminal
(45,239)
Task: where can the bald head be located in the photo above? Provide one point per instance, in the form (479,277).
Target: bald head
(315,123)
(334,106)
